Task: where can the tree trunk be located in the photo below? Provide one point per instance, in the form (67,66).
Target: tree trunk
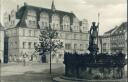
(50,63)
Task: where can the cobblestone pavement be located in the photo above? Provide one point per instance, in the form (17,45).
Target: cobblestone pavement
(30,72)
(35,72)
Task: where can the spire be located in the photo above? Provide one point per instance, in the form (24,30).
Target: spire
(53,6)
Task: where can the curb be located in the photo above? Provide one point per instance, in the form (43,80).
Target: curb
(66,79)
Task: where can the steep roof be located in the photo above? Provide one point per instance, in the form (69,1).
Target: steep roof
(110,31)
(22,13)
(118,29)
(123,26)
(121,29)
(40,9)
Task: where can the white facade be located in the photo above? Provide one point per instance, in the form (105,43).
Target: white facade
(21,39)
(2,45)
(115,40)
(21,44)
(106,44)
(118,39)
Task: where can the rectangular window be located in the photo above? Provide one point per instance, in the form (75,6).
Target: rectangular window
(53,25)
(67,46)
(60,56)
(24,44)
(35,32)
(15,44)
(15,32)
(75,36)
(104,44)
(104,50)
(42,23)
(11,44)
(57,25)
(81,47)
(23,32)
(64,26)
(30,32)
(46,24)
(81,37)
(34,22)
(67,26)
(35,44)
(29,45)
(75,46)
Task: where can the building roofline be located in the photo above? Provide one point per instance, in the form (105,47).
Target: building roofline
(40,9)
(110,31)
(22,14)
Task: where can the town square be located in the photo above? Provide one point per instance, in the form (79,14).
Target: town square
(63,41)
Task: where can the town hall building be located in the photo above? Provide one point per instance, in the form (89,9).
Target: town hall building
(31,20)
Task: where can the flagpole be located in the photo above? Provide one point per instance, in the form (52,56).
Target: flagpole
(98,30)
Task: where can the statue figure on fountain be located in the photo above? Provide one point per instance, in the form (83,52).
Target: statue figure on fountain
(93,38)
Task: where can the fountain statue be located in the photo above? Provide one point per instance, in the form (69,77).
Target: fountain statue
(93,44)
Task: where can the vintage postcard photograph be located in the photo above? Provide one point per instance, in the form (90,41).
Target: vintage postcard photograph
(63,41)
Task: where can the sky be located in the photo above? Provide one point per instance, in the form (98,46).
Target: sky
(112,12)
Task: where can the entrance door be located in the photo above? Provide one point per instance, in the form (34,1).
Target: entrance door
(43,59)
